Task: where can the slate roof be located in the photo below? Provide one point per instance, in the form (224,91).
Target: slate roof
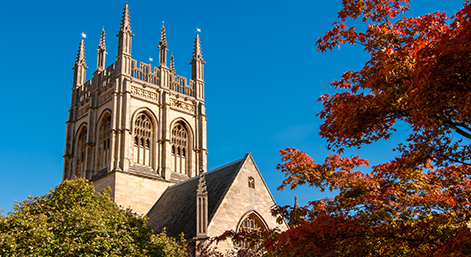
(176,208)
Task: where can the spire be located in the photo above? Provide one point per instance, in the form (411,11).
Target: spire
(197,53)
(80,66)
(297,215)
(125,34)
(197,60)
(102,45)
(81,54)
(101,56)
(296,205)
(163,48)
(172,64)
(126,20)
(163,40)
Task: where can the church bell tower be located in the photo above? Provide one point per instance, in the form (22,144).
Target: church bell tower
(134,127)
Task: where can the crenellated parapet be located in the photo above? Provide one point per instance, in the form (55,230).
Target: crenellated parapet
(136,122)
(143,74)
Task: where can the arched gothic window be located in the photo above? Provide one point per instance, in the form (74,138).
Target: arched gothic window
(251,223)
(104,138)
(142,139)
(81,153)
(180,148)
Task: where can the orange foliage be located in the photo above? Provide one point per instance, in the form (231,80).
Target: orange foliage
(418,204)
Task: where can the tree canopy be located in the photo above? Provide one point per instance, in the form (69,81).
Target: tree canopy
(73,220)
(419,74)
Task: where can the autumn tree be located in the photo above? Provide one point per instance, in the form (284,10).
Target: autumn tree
(73,220)
(417,204)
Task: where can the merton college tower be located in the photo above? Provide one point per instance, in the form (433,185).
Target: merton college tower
(134,127)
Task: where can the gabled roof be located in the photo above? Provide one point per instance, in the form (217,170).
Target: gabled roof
(176,208)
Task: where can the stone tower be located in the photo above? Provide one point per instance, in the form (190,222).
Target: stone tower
(136,128)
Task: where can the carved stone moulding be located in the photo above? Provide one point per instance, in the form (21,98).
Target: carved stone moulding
(82,111)
(181,105)
(144,93)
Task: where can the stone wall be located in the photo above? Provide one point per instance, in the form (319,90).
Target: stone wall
(138,193)
(128,190)
(242,200)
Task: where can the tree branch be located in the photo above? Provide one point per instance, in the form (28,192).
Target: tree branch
(458,130)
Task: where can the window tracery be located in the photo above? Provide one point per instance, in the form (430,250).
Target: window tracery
(179,148)
(142,139)
(104,138)
(251,224)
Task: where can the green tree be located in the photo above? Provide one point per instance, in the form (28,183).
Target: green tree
(74,220)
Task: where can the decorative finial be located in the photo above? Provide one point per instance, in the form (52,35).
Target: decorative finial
(296,205)
(163,40)
(126,20)
(172,63)
(102,40)
(201,184)
(197,53)
(83,35)
(81,52)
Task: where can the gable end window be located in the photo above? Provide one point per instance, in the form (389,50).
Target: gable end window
(251,224)
(251,182)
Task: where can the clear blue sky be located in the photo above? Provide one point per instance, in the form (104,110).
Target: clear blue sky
(263,77)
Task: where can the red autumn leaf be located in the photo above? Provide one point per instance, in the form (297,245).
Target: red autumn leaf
(418,203)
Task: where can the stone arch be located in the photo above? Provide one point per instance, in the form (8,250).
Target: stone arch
(255,214)
(80,151)
(181,146)
(188,126)
(251,221)
(104,136)
(150,113)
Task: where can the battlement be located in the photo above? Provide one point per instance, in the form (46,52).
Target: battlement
(143,73)
(161,78)
(135,127)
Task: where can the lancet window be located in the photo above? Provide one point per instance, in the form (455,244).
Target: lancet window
(180,148)
(104,138)
(251,182)
(142,139)
(81,153)
(251,224)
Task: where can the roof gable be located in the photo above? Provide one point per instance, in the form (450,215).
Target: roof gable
(176,208)
(243,198)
